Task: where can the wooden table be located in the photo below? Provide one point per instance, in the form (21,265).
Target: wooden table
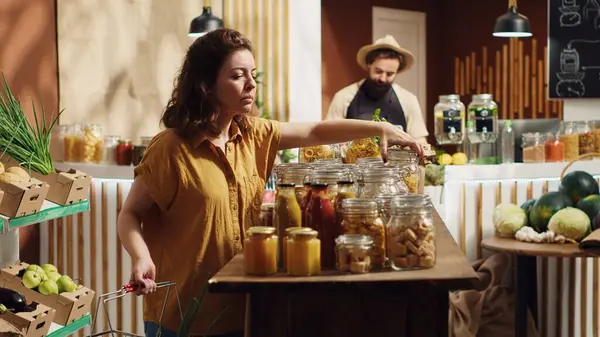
(526,271)
(382,304)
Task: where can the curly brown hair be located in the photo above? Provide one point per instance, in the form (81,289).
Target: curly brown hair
(192,107)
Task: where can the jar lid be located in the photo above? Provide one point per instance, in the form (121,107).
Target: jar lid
(307,233)
(319,185)
(125,140)
(284,185)
(359,204)
(267,206)
(293,229)
(260,230)
(453,97)
(345,182)
(354,239)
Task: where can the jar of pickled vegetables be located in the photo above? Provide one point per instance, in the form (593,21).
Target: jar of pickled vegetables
(554,148)
(266,214)
(362,148)
(296,175)
(408,162)
(124,152)
(330,177)
(570,137)
(345,191)
(92,143)
(381,181)
(303,253)
(320,216)
(353,253)
(285,239)
(411,234)
(260,251)
(361,216)
(287,211)
(586,138)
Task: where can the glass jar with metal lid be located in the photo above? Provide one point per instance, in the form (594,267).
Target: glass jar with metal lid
(362,148)
(353,253)
(296,175)
(328,176)
(411,234)
(283,256)
(483,111)
(449,114)
(385,202)
(381,180)
(260,251)
(312,153)
(534,150)
(266,214)
(303,253)
(361,216)
(92,141)
(408,162)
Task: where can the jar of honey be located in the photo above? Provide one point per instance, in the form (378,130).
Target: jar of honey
(285,240)
(260,251)
(303,253)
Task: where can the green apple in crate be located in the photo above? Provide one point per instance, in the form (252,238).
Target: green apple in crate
(66,284)
(31,279)
(53,275)
(48,287)
(49,268)
(37,269)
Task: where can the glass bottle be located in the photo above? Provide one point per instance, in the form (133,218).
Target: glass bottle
(408,162)
(570,137)
(507,144)
(353,253)
(287,211)
(320,216)
(303,253)
(296,175)
(411,235)
(471,149)
(533,147)
(586,138)
(93,139)
(361,216)
(449,115)
(260,251)
(483,112)
(554,148)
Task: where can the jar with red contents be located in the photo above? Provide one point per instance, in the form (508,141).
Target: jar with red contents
(124,152)
(320,216)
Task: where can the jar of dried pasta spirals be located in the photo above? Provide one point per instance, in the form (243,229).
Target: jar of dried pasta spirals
(362,148)
(408,162)
(312,153)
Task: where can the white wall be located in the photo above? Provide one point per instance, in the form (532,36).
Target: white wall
(581,109)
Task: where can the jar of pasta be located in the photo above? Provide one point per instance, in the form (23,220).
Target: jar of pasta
(92,143)
(362,148)
(303,253)
(64,131)
(260,251)
(411,235)
(386,180)
(312,153)
(266,214)
(285,239)
(586,138)
(408,161)
(554,148)
(597,135)
(570,137)
(353,253)
(361,216)
(533,147)
(73,144)
(320,216)
(287,211)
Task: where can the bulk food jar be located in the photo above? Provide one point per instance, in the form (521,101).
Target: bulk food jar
(586,137)
(483,112)
(287,211)
(320,216)
(411,234)
(362,148)
(353,253)
(534,150)
(312,153)
(296,175)
(381,181)
(285,239)
(303,253)
(449,114)
(361,216)
(408,162)
(260,251)
(73,143)
(266,214)
(385,202)
(92,143)
(570,137)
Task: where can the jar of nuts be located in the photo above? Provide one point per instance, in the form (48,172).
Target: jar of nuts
(353,253)
(411,234)
(361,216)
(381,181)
(408,162)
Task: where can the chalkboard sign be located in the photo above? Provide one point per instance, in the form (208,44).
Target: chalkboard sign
(574,48)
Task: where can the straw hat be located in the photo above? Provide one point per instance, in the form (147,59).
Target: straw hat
(386,42)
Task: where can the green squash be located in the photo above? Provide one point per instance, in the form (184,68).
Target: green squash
(545,207)
(578,185)
(527,205)
(590,205)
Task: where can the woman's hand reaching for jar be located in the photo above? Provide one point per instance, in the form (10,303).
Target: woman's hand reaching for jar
(143,276)
(393,135)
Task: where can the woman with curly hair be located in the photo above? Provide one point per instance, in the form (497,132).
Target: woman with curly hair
(201,181)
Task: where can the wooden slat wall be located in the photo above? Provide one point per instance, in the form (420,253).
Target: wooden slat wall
(520,87)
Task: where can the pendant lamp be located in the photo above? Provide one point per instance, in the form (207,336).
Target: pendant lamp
(512,24)
(205,22)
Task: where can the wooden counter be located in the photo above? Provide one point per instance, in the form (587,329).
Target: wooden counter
(382,304)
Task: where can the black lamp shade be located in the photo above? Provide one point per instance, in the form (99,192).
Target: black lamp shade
(512,24)
(204,23)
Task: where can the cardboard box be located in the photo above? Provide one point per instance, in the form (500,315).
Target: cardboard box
(69,306)
(66,187)
(34,324)
(22,198)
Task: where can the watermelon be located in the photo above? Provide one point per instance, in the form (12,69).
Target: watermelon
(545,207)
(526,206)
(578,185)
(590,205)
